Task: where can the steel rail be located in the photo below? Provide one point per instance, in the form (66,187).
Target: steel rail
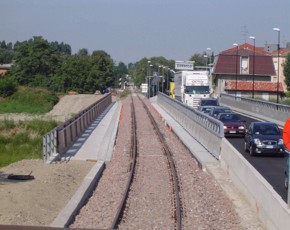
(173,170)
(133,155)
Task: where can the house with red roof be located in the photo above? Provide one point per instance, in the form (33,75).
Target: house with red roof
(247,71)
(4,68)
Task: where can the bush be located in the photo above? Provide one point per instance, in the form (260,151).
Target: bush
(287,94)
(7,87)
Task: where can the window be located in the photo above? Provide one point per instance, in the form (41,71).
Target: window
(245,65)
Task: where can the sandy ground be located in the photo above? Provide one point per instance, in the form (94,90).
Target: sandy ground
(37,202)
(68,106)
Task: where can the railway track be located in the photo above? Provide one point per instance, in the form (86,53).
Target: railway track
(123,218)
(139,189)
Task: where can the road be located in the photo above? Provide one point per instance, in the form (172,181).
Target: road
(271,168)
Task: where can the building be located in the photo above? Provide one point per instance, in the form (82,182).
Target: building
(247,71)
(4,69)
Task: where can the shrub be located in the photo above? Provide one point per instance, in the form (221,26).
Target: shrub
(7,87)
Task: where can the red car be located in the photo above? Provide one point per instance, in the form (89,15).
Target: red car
(233,125)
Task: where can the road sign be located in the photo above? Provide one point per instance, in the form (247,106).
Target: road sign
(182,65)
(144,87)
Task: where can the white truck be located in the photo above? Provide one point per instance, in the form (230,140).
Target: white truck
(190,86)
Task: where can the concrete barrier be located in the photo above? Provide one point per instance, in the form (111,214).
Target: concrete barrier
(269,206)
(199,125)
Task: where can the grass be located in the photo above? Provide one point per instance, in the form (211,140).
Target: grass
(28,100)
(286,101)
(22,140)
(125,93)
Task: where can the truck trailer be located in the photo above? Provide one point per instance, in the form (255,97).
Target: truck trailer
(190,86)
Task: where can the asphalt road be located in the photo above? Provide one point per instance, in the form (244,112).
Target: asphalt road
(270,167)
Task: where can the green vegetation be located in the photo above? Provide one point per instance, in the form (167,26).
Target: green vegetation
(29,100)
(7,86)
(287,71)
(22,140)
(125,93)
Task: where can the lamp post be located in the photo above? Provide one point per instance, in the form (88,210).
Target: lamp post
(163,78)
(278,30)
(167,89)
(147,78)
(208,56)
(254,56)
(237,46)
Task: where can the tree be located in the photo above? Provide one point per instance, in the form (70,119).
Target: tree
(102,69)
(199,59)
(36,61)
(83,52)
(119,72)
(6,52)
(287,71)
(7,86)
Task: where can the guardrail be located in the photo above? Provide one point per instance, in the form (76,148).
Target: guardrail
(260,109)
(60,139)
(199,125)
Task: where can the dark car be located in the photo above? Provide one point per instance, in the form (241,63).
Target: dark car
(233,124)
(205,109)
(208,102)
(264,138)
(215,111)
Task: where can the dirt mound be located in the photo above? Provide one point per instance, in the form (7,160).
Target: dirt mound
(70,105)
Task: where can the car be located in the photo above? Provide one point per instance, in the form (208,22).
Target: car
(286,181)
(233,124)
(216,110)
(264,138)
(208,102)
(205,109)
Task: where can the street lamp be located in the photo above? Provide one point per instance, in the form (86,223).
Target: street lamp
(278,30)
(167,89)
(209,57)
(237,46)
(253,89)
(147,78)
(205,56)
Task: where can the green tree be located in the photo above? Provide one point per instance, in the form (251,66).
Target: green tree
(287,71)
(199,59)
(119,71)
(7,86)
(83,52)
(140,69)
(36,61)
(6,52)
(102,70)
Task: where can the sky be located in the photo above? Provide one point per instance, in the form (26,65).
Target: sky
(129,30)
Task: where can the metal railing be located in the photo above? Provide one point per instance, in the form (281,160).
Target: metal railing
(61,138)
(203,128)
(257,108)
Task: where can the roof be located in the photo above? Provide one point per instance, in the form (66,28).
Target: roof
(260,86)
(229,61)
(246,48)
(5,66)
(282,51)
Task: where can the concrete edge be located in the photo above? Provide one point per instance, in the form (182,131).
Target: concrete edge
(67,214)
(115,128)
(109,137)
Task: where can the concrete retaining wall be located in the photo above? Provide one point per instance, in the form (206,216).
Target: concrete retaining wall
(270,207)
